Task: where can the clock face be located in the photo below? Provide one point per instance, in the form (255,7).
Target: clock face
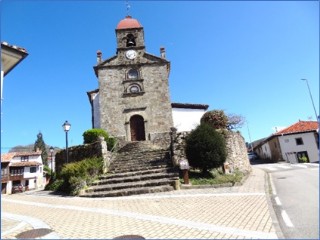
(131,54)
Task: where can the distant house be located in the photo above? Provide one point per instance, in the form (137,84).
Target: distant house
(24,168)
(296,143)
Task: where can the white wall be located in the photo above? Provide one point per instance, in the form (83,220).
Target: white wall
(185,119)
(289,146)
(27,175)
(96,109)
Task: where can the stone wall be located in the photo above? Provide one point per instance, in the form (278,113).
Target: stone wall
(237,158)
(78,153)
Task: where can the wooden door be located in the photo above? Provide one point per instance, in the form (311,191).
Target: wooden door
(137,128)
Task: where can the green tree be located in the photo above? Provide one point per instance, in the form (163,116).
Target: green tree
(40,145)
(205,148)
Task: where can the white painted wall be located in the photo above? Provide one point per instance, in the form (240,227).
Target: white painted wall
(185,119)
(27,175)
(96,110)
(289,147)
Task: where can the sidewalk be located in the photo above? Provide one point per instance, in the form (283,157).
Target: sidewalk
(222,213)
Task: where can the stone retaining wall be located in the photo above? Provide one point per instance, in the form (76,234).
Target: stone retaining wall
(237,158)
(80,152)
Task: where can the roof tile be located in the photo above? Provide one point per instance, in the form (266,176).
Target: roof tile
(299,127)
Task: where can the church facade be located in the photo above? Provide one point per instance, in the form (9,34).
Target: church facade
(132,102)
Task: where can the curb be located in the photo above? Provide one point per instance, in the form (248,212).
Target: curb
(221,185)
(34,222)
(273,214)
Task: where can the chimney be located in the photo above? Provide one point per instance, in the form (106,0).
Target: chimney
(99,56)
(163,52)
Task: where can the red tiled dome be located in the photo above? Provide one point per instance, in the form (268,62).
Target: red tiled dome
(128,22)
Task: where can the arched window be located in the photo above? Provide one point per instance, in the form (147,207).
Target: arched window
(130,41)
(134,88)
(133,74)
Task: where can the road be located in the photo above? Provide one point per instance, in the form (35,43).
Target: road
(295,189)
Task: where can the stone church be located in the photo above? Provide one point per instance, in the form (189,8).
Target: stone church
(132,102)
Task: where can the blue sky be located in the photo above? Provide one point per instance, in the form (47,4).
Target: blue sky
(246,58)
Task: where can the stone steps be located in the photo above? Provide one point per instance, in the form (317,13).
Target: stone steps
(139,167)
(128,192)
(133,178)
(134,173)
(129,185)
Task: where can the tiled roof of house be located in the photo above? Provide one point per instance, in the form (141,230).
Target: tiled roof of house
(6,157)
(25,164)
(299,127)
(17,48)
(20,154)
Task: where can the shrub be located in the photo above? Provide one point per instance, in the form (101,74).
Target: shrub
(55,186)
(79,174)
(92,135)
(205,148)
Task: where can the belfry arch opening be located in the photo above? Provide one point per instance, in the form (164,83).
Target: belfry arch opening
(137,128)
(131,41)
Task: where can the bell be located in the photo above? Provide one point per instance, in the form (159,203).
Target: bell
(130,43)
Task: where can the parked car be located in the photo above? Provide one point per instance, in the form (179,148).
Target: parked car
(252,156)
(17,188)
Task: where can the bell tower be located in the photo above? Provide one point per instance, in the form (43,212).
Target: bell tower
(129,33)
(134,101)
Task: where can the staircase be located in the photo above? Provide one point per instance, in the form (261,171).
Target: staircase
(139,167)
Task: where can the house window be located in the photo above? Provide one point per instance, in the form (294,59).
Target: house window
(299,141)
(24,158)
(286,140)
(16,171)
(33,169)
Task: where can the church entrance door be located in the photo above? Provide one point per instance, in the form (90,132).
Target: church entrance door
(137,128)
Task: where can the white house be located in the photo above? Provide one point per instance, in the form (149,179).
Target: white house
(25,168)
(186,117)
(299,142)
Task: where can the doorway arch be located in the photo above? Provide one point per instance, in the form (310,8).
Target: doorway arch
(137,128)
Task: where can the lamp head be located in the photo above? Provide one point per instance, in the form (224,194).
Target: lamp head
(66,126)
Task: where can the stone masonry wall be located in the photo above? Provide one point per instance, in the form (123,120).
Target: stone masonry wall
(78,153)
(237,158)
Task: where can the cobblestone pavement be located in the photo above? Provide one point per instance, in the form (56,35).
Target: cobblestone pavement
(222,213)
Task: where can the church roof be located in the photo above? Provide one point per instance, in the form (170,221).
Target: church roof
(189,106)
(128,22)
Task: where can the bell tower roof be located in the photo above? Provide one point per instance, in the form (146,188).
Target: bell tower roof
(128,23)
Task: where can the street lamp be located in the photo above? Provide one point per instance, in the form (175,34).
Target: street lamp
(51,151)
(66,127)
(311,98)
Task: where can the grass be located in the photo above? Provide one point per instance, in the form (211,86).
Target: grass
(213,177)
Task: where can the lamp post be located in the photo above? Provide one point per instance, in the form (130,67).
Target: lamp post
(311,98)
(66,127)
(315,112)
(51,151)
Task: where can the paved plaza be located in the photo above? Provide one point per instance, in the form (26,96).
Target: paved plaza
(240,212)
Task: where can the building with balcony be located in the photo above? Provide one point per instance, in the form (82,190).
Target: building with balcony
(21,168)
